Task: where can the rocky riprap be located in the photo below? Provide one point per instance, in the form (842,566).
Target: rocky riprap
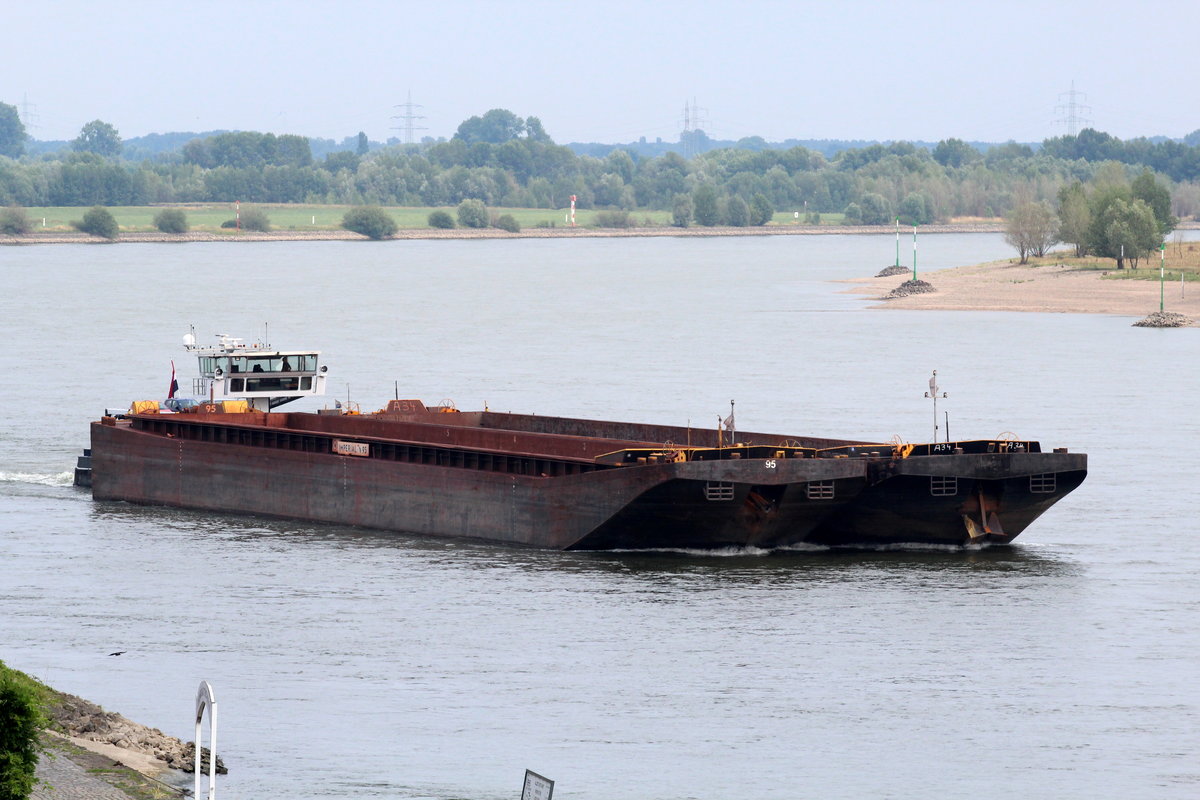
(910,287)
(84,720)
(888,272)
(1164,319)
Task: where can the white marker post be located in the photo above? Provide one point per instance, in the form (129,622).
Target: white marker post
(1162,271)
(897,241)
(205,698)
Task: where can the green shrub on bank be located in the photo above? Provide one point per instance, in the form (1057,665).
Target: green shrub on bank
(171,220)
(507,222)
(472,213)
(370,221)
(98,221)
(14,221)
(255,219)
(441,219)
(22,717)
(612,219)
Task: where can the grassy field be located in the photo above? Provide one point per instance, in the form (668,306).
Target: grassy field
(208,217)
(1182,259)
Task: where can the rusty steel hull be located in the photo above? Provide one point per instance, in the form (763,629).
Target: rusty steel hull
(979,499)
(609,509)
(544,482)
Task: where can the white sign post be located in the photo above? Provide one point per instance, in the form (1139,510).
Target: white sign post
(537,787)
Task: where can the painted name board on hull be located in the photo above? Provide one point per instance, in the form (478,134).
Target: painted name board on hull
(361,449)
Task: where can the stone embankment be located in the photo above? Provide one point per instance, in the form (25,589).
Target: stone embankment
(84,722)
(1165,319)
(910,287)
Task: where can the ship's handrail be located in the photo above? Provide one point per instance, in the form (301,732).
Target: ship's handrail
(652,455)
(966,447)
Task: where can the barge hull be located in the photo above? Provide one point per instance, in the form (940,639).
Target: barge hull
(606,509)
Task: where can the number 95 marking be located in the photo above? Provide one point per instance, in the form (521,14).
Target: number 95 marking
(769,464)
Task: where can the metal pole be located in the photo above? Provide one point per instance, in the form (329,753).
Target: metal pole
(914,252)
(1162,267)
(935,425)
(897,241)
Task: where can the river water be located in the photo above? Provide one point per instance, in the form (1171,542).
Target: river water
(361,664)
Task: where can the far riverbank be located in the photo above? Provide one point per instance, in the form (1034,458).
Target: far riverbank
(62,237)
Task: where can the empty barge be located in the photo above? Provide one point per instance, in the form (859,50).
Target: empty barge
(552,482)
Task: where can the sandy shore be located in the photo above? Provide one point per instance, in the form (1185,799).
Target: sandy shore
(62,237)
(1008,286)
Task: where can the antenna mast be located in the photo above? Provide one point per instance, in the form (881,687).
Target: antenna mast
(933,392)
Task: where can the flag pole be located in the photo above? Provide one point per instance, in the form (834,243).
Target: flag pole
(897,241)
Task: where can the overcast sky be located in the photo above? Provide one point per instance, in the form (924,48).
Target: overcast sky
(607,70)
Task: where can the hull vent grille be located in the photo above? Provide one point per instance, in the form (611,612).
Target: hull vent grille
(1043,484)
(943,487)
(819,490)
(718,491)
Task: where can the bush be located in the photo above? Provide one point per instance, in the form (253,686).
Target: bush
(914,210)
(737,212)
(255,219)
(371,221)
(472,214)
(14,221)
(21,720)
(171,220)
(876,210)
(852,215)
(441,219)
(612,219)
(681,211)
(761,210)
(229,223)
(98,222)
(507,222)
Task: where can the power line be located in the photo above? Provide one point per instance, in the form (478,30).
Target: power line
(1072,110)
(408,117)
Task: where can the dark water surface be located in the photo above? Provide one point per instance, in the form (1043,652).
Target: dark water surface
(360,664)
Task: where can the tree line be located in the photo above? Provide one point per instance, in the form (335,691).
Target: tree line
(504,160)
(1112,218)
